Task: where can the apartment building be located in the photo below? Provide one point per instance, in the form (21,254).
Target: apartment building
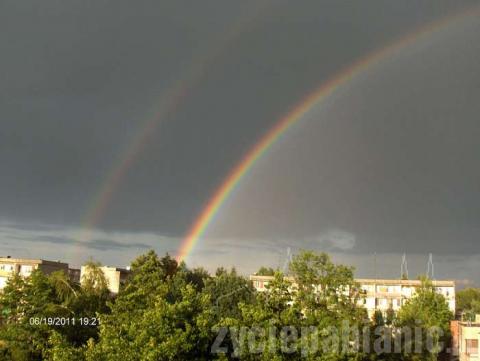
(74,274)
(24,267)
(466,339)
(383,294)
(114,276)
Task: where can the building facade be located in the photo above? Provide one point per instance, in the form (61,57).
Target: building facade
(74,274)
(466,340)
(24,267)
(382,294)
(114,276)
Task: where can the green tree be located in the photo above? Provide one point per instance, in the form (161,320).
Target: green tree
(390,317)
(32,308)
(320,299)
(93,280)
(271,310)
(159,315)
(328,297)
(60,349)
(265,271)
(227,290)
(198,278)
(427,311)
(326,290)
(468,302)
(28,301)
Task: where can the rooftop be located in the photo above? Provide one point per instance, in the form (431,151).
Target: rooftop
(438,283)
(9,259)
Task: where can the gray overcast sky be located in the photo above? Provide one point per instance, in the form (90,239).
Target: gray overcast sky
(388,164)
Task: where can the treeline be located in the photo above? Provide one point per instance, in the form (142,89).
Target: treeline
(468,303)
(166,311)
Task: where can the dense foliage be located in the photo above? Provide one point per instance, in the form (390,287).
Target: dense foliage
(468,303)
(33,306)
(166,311)
(265,271)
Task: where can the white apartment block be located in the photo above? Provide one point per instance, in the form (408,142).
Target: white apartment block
(114,276)
(382,294)
(24,267)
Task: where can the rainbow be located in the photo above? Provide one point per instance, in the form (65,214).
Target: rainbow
(213,206)
(167,105)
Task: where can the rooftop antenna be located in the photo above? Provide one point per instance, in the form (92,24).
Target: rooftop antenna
(279,261)
(430,267)
(404,268)
(375,275)
(288,259)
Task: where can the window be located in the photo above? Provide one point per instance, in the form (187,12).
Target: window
(6,267)
(381,302)
(405,291)
(383,289)
(26,270)
(471,347)
(368,288)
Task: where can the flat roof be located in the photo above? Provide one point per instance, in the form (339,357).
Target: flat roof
(111,268)
(30,261)
(445,283)
(396,282)
(469,324)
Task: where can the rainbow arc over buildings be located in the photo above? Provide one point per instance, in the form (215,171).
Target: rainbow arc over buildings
(179,92)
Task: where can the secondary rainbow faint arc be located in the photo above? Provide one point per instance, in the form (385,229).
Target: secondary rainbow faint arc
(168,104)
(292,117)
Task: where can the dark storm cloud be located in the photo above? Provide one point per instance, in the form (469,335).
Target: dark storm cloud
(390,161)
(27,227)
(101,244)
(69,244)
(78,80)
(35,235)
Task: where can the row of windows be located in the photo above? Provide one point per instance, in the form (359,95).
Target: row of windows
(260,284)
(404,290)
(384,302)
(24,269)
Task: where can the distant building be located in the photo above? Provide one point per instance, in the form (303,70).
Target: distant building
(115,276)
(466,339)
(74,274)
(382,294)
(24,267)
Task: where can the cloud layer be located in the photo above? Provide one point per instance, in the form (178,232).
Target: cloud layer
(69,244)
